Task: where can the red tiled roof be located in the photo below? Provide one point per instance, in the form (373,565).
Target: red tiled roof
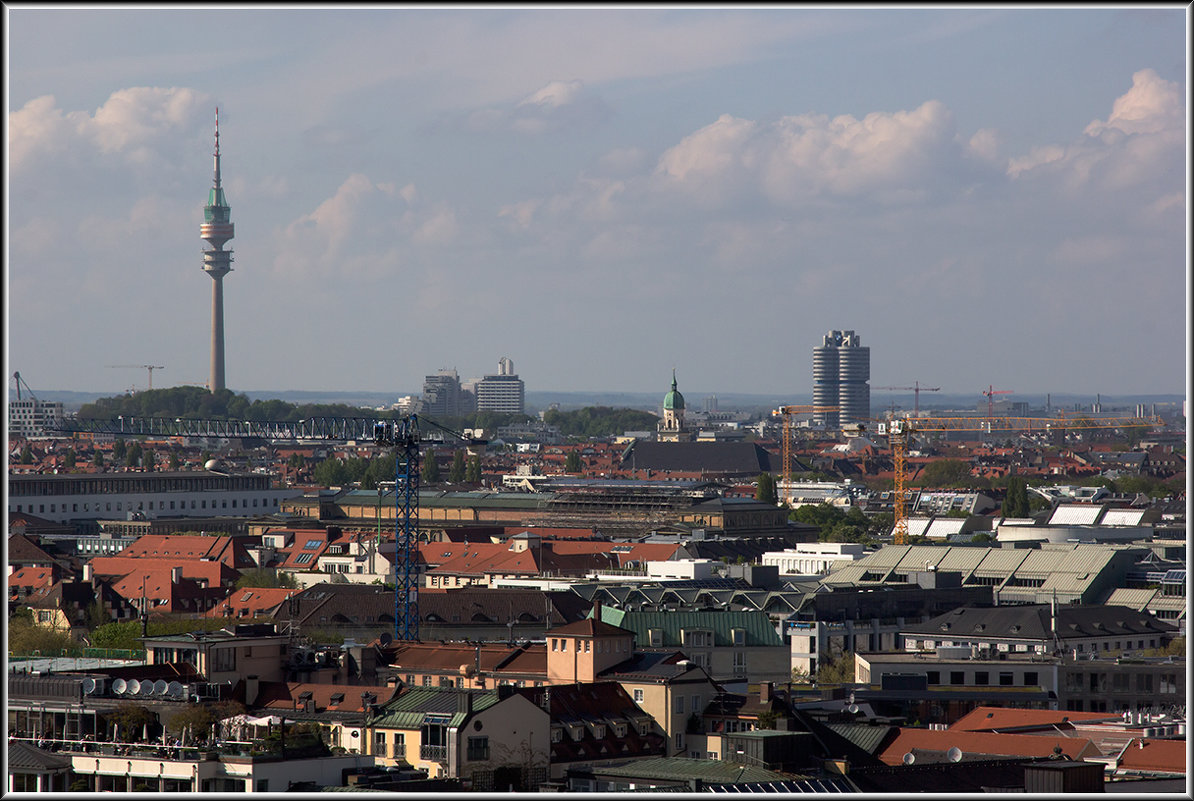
(1013,745)
(251,601)
(1154,756)
(994,718)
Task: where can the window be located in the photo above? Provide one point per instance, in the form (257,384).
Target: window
(303,558)
(1005,679)
(478,748)
(399,745)
(638,696)
(957,677)
(934,677)
(312,545)
(1030,679)
(379,743)
(426,681)
(678,704)
(982,677)
(656,636)
(739,636)
(588,645)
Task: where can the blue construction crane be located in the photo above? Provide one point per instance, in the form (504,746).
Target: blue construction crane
(403,435)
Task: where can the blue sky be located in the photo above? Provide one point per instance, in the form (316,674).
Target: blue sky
(988,196)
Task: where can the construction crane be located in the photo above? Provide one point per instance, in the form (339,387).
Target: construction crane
(990,392)
(787,412)
(402,434)
(16,377)
(149,367)
(916,389)
(900,431)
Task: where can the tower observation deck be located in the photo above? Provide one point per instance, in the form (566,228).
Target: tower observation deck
(216,230)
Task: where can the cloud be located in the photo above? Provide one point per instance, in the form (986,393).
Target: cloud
(1139,145)
(557,106)
(365,229)
(142,124)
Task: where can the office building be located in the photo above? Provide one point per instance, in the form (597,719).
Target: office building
(841,370)
(503,392)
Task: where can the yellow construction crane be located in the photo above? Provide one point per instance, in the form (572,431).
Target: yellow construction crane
(787,412)
(899,432)
(149,367)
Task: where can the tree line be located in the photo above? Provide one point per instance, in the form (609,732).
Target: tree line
(599,421)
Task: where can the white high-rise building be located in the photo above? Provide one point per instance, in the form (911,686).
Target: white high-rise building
(503,392)
(841,372)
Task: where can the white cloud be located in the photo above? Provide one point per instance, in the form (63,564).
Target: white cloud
(557,106)
(140,123)
(1139,145)
(1152,106)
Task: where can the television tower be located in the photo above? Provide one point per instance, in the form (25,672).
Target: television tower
(216,230)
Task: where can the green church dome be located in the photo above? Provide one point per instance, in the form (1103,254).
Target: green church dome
(673,400)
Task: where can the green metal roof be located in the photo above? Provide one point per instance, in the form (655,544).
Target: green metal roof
(412,708)
(756,624)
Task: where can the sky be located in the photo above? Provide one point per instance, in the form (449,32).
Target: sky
(988,196)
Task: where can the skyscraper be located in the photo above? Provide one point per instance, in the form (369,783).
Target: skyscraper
(216,230)
(841,370)
(503,392)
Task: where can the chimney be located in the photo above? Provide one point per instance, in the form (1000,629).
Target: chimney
(464,702)
(764,692)
(597,610)
(252,687)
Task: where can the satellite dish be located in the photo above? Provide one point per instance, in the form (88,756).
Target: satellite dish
(133,687)
(909,758)
(160,686)
(89,685)
(852,709)
(146,688)
(175,689)
(119,686)
(386,638)
(954,754)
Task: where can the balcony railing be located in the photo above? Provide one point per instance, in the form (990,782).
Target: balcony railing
(434,753)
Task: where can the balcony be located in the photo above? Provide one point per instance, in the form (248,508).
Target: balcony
(434,753)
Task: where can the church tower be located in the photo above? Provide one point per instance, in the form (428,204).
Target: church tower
(671,427)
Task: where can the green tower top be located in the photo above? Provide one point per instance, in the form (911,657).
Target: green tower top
(673,400)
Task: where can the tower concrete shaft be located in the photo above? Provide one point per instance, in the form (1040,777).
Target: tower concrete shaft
(216,230)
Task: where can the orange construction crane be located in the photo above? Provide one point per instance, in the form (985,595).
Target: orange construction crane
(899,432)
(989,392)
(917,389)
(787,412)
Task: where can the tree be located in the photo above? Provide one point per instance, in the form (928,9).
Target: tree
(132,456)
(430,471)
(27,455)
(264,577)
(148,460)
(473,476)
(838,671)
(69,458)
(946,473)
(97,458)
(767,719)
(175,460)
(765,490)
(1015,502)
(572,462)
(132,720)
(119,448)
(456,474)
